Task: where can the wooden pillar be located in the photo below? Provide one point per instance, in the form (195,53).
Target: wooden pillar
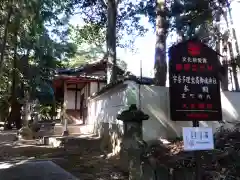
(98,86)
(62,101)
(76,96)
(89,90)
(63,89)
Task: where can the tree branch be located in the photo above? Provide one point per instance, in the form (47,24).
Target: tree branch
(104,3)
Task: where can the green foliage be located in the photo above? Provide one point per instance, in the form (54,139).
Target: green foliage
(127,20)
(31,51)
(221,163)
(90,40)
(45,112)
(192,19)
(89,33)
(187,18)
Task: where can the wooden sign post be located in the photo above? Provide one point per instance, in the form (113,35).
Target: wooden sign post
(194,85)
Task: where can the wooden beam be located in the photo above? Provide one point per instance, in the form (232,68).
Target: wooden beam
(77,80)
(63,88)
(74,89)
(76,94)
(89,85)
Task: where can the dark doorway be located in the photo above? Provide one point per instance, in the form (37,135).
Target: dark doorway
(81,105)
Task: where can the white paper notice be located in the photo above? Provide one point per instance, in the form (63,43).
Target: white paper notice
(197,138)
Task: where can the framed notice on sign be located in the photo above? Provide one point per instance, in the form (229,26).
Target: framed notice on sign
(194,82)
(197,138)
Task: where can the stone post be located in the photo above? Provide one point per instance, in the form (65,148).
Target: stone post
(26,109)
(36,111)
(25,132)
(65,128)
(132,144)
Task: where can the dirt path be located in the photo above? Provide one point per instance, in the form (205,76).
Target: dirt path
(81,157)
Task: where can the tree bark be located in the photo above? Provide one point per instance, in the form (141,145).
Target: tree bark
(234,64)
(180,36)
(233,29)
(111,41)
(224,77)
(224,80)
(15,114)
(5,37)
(160,65)
(234,67)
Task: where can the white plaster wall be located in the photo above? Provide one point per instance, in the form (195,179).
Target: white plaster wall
(78,99)
(154,102)
(85,91)
(93,87)
(69,96)
(105,107)
(101,85)
(70,99)
(66,101)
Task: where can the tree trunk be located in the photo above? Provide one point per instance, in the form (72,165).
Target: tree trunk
(233,29)
(160,65)
(15,114)
(5,35)
(111,41)
(180,36)
(224,80)
(236,62)
(234,67)
(26,109)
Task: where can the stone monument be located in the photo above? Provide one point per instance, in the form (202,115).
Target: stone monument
(132,144)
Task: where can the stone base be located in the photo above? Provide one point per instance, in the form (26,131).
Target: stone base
(65,133)
(25,133)
(55,142)
(111,135)
(45,140)
(73,129)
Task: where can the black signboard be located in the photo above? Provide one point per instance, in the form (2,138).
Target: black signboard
(194,83)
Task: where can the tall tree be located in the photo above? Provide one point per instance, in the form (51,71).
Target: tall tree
(234,59)
(27,45)
(228,7)
(118,18)
(5,35)
(111,39)
(187,18)
(160,64)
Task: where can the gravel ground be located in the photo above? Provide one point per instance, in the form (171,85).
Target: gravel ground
(81,157)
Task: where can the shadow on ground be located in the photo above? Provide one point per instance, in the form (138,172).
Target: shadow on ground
(80,156)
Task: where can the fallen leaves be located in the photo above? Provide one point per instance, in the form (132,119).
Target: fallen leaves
(223,160)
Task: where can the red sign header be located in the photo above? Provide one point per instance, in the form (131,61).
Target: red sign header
(194,49)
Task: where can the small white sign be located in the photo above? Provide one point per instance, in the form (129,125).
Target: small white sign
(197,138)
